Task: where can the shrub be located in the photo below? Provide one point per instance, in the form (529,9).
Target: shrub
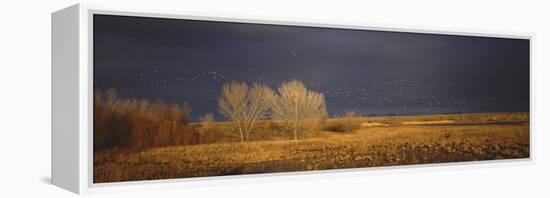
(335,126)
(346,124)
(122,122)
(209,131)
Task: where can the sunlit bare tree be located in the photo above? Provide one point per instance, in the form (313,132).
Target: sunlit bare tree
(244,105)
(296,106)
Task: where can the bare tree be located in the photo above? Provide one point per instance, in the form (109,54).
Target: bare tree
(296,106)
(232,104)
(244,105)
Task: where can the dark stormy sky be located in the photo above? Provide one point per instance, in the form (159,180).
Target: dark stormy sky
(369,72)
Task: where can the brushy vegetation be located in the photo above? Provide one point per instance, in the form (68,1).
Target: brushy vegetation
(349,123)
(140,124)
(135,123)
(386,142)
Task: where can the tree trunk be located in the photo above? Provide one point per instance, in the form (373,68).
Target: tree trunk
(241,133)
(295,134)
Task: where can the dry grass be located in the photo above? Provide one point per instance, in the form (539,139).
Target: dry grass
(469,137)
(428,122)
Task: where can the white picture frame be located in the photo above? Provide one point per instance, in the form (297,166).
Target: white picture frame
(72,95)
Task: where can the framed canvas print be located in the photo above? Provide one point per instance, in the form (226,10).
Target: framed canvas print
(146,97)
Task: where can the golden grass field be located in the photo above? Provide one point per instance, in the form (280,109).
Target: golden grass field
(381,141)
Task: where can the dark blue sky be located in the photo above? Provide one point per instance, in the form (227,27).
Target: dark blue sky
(369,72)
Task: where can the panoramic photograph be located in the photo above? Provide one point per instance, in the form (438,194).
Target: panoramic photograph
(178,98)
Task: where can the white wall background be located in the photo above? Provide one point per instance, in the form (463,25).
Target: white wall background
(25,96)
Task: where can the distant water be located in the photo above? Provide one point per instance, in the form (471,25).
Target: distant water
(420,110)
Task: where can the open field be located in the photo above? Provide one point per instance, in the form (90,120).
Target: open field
(380,141)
